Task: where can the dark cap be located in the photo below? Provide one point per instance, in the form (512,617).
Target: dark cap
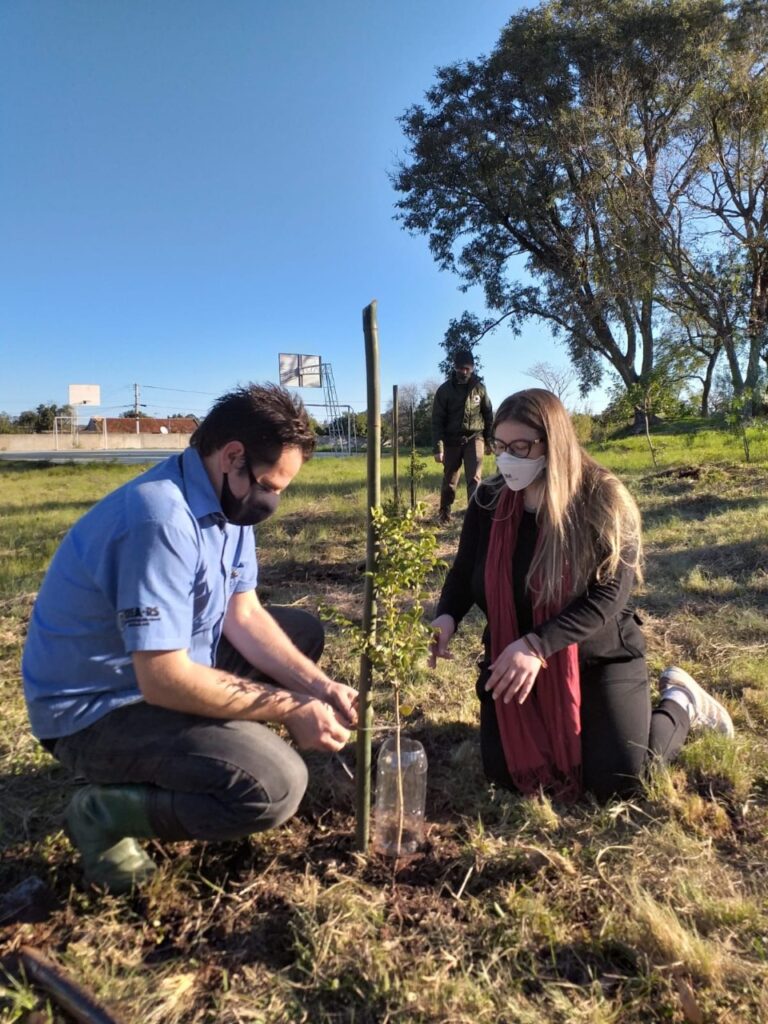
(463,357)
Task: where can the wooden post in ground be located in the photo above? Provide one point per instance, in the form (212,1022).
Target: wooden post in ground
(395,452)
(413,456)
(365,708)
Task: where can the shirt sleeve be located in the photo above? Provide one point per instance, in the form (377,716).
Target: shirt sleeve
(247,567)
(586,613)
(157,573)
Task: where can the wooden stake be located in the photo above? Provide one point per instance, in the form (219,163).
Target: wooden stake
(395,452)
(365,709)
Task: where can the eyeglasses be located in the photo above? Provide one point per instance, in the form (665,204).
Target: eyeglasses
(520,447)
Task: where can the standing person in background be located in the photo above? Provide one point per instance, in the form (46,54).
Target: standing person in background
(550,549)
(462,418)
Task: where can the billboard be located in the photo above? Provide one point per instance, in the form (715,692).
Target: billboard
(299,371)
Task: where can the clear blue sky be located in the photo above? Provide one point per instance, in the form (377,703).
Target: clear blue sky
(189,187)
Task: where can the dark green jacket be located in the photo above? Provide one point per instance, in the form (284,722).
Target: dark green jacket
(460,411)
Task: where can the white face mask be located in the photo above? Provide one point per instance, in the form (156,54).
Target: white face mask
(519,473)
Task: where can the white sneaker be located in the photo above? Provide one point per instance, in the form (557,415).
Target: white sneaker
(706,711)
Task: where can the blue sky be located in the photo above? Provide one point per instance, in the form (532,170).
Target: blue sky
(189,187)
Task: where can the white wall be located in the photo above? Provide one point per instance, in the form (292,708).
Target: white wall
(90,442)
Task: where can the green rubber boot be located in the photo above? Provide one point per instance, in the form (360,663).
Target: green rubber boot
(104,822)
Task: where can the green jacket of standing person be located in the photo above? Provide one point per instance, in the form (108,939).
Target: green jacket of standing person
(462,421)
(461,410)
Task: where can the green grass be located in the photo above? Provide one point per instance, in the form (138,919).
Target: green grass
(517,910)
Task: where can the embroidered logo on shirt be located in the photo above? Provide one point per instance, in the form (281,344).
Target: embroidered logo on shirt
(130,617)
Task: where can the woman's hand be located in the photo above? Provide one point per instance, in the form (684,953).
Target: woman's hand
(444,627)
(513,673)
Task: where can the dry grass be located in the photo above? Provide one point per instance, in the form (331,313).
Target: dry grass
(517,910)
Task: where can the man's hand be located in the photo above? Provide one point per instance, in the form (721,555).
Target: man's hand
(343,700)
(444,627)
(513,673)
(314,726)
(439,457)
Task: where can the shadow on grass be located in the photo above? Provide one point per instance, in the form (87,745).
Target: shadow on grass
(735,562)
(31,811)
(29,800)
(698,507)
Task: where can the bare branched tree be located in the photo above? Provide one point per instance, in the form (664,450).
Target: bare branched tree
(560,380)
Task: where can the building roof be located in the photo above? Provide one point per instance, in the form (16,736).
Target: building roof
(147,425)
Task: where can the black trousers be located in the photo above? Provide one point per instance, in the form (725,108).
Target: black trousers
(209,778)
(470,455)
(620,734)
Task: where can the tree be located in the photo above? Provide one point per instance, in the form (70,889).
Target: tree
(341,424)
(572,145)
(42,418)
(647,400)
(557,379)
(420,397)
(732,185)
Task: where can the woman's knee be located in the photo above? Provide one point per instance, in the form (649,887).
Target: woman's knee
(617,777)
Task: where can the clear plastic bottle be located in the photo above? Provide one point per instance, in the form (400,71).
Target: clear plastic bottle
(399,814)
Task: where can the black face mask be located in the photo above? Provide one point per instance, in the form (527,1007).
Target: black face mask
(258,504)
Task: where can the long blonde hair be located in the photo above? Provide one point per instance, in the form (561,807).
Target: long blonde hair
(589,523)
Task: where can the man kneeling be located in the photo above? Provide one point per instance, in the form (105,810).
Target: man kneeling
(151,666)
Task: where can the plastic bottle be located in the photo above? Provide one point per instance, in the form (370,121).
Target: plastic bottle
(399,813)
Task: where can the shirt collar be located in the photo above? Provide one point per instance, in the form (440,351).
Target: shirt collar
(198,489)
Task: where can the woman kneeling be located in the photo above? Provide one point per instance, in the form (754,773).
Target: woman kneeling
(550,549)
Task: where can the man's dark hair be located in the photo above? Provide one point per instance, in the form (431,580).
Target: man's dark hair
(463,357)
(265,417)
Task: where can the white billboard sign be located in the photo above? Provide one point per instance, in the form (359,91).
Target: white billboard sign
(85,394)
(298,371)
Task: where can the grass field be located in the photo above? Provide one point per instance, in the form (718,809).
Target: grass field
(516,911)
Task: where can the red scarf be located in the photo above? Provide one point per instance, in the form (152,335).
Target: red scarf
(541,737)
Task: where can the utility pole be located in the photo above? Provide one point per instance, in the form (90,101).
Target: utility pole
(136,396)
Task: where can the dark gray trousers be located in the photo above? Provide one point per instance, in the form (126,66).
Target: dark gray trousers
(209,778)
(470,455)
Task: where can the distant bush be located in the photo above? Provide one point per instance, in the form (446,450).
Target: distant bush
(584,425)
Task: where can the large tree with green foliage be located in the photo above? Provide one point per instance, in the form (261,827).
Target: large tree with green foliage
(42,418)
(575,145)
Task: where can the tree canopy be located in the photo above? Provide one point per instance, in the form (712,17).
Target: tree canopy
(620,150)
(36,421)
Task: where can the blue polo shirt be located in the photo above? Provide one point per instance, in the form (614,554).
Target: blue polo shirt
(151,567)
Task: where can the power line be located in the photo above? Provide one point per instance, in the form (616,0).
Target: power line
(181,391)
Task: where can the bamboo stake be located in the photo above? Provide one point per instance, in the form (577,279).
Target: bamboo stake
(413,455)
(365,708)
(395,452)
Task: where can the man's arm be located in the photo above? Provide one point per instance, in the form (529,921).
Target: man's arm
(438,423)
(170,679)
(256,635)
(487,412)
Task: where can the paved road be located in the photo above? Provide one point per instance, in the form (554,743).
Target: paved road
(126,456)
